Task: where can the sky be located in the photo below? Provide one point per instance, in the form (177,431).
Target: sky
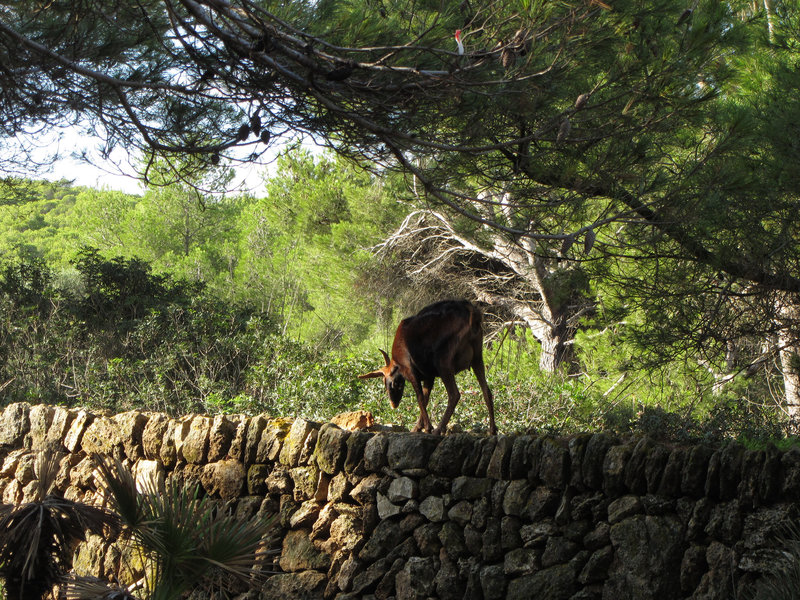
(115,173)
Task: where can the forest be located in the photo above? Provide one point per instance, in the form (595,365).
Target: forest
(613,183)
(178,302)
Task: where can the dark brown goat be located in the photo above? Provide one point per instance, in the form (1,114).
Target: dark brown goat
(439,341)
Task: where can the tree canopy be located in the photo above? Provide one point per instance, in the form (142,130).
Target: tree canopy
(651,140)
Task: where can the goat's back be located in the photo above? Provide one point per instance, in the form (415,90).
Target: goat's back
(436,330)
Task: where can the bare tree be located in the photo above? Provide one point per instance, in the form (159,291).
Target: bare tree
(523,284)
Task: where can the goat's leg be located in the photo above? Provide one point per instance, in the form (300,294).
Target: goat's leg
(480,374)
(453,396)
(423,393)
(427,387)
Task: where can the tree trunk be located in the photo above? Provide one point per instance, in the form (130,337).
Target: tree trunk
(789,351)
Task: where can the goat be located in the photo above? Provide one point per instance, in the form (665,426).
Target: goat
(441,340)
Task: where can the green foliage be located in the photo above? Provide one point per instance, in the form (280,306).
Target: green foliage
(185,542)
(36,538)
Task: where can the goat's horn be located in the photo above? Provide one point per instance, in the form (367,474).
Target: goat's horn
(385,356)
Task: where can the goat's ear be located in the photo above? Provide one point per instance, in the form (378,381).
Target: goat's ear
(385,356)
(377,373)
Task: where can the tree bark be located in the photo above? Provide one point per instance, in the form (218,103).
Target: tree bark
(789,352)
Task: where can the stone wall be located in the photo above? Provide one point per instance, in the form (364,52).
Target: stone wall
(414,516)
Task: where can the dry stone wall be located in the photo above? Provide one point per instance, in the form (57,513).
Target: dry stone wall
(414,516)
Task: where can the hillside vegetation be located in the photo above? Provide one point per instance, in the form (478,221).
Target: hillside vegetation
(180,302)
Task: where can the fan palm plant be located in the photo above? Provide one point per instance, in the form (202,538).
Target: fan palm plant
(36,538)
(184,542)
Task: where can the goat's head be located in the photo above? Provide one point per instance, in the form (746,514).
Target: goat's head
(392,379)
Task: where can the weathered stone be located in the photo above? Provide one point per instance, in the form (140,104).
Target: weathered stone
(589,506)
(695,527)
(338,487)
(470,488)
(305,516)
(257,480)
(411,450)
(331,448)
(307,585)
(654,467)
(762,560)
(15,424)
(520,561)
(220,436)
(279,481)
(624,507)
(375,451)
(130,426)
(492,541)
(598,537)
(520,462)
(427,538)
(149,475)
(498,467)
(670,485)
(555,583)
(195,445)
(695,471)
(558,550)
(493,582)
(657,505)
(790,461)
(433,509)
(730,470)
(452,538)
(717,582)
(596,568)
(354,420)
(635,477)
(88,558)
(765,525)
(516,497)
(614,470)
(82,475)
(725,522)
(385,536)
(349,569)
(693,566)
(100,437)
(238,450)
(305,481)
(554,470)
(386,586)
(172,441)
(402,489)
(387,508)
(253,434)
(297,442)
(41,416)
(299,553)
(594,458)
(153,435)
(25,470)
(354,459)
(364,492)
(509,533)
(415,580)
(648,557)
(481,510)
(62,419)
(541,503)
(367,580)
(577,449)
(461,512)
(449,583)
